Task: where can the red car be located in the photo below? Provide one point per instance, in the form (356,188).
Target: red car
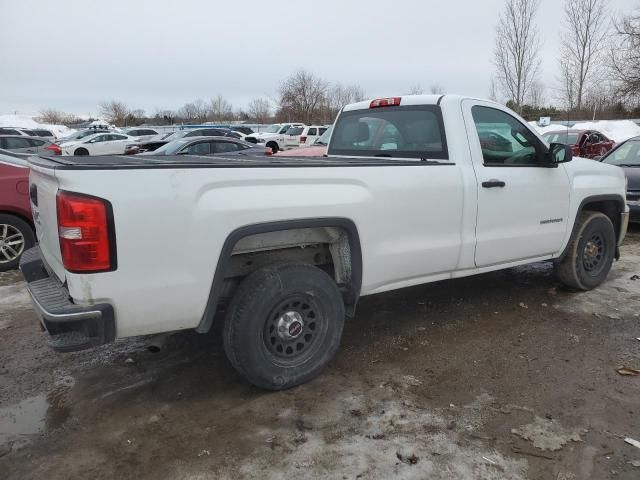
(16,224)
(584,143)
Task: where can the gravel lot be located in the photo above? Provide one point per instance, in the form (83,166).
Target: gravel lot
(499,376)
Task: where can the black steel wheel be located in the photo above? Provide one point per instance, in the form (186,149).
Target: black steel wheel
(284,325)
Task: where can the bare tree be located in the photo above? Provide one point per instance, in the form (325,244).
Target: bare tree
(340,95)
(302,96)
(220,109)
(259,110)
(188,112)
(582,44)
(436,89)
(54,116)
(516,50)
(493,89)
(415,89)
(536,96)
(625,59)
(115,112)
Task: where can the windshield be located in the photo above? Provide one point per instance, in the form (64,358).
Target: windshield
(175,135)
(567,138)
(626,154)
(171,147)
(324,138)
(272,129)
(401,132)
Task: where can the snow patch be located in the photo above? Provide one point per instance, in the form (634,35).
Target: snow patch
(616,130)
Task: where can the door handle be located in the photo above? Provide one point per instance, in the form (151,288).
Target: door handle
(493,183)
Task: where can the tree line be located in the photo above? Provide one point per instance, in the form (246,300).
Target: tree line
(598,71)
(598,67)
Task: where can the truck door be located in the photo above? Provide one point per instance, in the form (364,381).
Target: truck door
(523,201)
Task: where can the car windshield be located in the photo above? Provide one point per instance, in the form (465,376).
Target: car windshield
(272,129)
(171,148)
(627,154)
(567,138)
(324,138)
(401,132)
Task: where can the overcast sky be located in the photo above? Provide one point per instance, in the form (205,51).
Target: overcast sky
(73,54)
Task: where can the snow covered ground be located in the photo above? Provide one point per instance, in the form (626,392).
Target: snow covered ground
(26,121)
(617,130)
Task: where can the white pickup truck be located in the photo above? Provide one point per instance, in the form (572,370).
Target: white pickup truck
(415,189)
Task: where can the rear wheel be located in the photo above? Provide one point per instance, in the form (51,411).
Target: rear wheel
(273,146)
(81,152)
(16,236)
(590,252)
(283,325)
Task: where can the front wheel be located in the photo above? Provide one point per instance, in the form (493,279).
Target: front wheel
(16,236)
(590,252)
(273,146)
(283,325)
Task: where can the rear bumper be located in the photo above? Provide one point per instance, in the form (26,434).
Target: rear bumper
(70,327)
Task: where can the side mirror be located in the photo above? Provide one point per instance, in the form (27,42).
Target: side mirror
(560,153)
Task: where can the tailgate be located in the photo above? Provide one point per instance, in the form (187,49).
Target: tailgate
(43,189)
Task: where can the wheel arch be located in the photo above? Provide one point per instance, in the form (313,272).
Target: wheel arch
(224,260)
(611,205)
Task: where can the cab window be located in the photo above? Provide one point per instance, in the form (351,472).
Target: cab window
(505,141)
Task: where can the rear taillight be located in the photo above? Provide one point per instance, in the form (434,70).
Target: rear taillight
(268,151)
(303,139)
(85,228)
(53,148)
(385,102)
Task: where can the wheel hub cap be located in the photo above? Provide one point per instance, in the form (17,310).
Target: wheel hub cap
(290,325)
(11,243)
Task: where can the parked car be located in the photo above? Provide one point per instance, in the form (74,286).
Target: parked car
(12,131)
(80,134)
(209,146)
(22,144)
(155,143)
(16,225)
(303,136)
(317,149)
(41,132)
(584,143)
(273,136)
(284,248)
(627,156)
(143,133)
(98,144)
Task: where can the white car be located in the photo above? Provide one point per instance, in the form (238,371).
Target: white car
(303,136)
(274,136)
(414,189)
(143,133)
(99,144)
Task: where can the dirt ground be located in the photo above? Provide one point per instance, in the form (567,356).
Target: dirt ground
(499,376)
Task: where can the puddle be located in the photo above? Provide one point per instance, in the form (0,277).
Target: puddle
(23,419)
(32,416)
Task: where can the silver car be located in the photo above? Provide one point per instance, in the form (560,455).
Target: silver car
(22,144)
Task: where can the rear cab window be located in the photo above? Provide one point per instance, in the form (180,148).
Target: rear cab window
(412,131)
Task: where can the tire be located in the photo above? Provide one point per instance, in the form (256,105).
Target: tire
(80,152)
(283,325)
(273,146)
(16,236)
(590,252)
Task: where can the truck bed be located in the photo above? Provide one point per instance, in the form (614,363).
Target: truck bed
(116,162)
